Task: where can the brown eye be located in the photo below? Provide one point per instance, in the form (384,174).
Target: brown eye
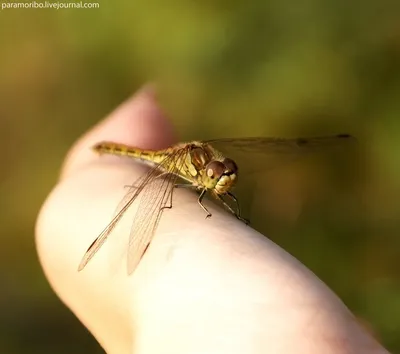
(215,169)
(230,165)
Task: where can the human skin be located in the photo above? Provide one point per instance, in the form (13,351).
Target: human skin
(203,286)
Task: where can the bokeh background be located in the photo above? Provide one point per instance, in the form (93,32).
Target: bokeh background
(223,69)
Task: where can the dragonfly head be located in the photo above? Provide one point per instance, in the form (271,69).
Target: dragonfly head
(220,176)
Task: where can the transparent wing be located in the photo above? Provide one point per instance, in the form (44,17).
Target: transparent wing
(279,145)
(269,152)
(138,241)
(155,198)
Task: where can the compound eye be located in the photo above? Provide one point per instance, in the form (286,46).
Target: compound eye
(215,169)
(230,165)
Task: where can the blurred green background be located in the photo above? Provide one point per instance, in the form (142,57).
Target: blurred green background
(224,69)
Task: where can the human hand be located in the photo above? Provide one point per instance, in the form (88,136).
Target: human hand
(203,286)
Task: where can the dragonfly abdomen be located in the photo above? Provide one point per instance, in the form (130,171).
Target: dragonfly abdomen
(126,150)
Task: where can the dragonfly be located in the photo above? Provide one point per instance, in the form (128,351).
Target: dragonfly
(202,167)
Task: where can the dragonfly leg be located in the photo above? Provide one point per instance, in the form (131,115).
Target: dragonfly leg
(237,213)
(201,196)
(160,175)
(170,203)
(130,186)
(183,185)
(170,197)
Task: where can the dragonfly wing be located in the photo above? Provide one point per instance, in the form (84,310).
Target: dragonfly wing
(156,195)
(99,241)
(133,192)
(123,206)
(281,145)
(270,152)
